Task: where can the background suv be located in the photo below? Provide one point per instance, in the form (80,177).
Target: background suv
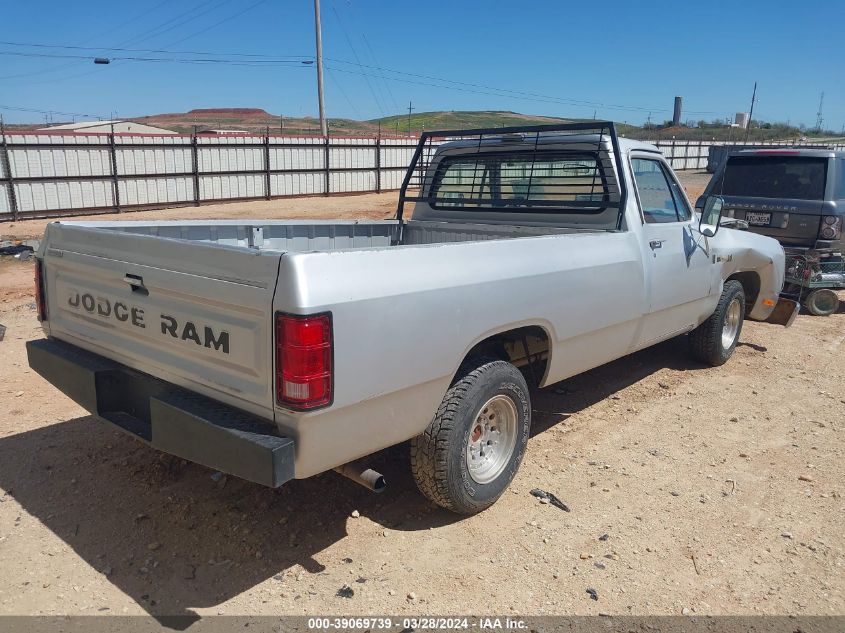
(796,196)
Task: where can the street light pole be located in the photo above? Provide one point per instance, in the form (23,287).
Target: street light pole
(324,130)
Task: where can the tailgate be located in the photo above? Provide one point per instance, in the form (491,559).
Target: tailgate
(192,313)
(791,222)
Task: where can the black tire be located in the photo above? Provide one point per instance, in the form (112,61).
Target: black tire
(439,455)
(822,302)
(705,341)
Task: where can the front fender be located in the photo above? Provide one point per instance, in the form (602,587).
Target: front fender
(735,251)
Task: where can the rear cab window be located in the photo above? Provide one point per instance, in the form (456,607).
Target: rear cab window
(790,177)
(529,181)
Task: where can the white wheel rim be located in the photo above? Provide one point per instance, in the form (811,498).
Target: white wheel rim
(730,328)
(492,439)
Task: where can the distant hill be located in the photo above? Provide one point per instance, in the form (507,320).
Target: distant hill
(458,119)
(257,120)
(244,112)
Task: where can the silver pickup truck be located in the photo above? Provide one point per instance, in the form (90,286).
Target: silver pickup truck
(274,350)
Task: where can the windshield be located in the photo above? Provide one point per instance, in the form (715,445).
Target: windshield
(793,177)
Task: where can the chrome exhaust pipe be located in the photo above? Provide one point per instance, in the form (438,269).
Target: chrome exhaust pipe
(361,474)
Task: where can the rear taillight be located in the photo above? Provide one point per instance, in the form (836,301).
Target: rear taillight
(831,227)
(39,291)
(304,357)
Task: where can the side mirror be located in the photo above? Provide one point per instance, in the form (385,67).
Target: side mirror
(710,216)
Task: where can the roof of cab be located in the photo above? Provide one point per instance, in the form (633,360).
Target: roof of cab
(550,138)
(807,152)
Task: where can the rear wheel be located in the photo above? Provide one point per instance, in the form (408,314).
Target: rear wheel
(473,447)
(714,341)
(822,302)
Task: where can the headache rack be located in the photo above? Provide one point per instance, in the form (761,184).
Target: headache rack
(538,169)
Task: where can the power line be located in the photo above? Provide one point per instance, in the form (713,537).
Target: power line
(177,60)
(138,37)
(345,96)
(383,86)
(381,70)
(565,101)
(384,81)
(357,59)
(441,83)
(216,24)
(37,111)
(138,16)
(154,50)
(176,22)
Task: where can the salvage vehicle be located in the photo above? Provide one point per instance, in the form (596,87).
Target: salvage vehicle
(794,195)
(813,277)
(274,350)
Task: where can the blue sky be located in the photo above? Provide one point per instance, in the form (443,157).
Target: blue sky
(619,59)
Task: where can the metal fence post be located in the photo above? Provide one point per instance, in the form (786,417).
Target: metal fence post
(195,167)
(267,163)
(327,169)
(698,156)
(378,164)
(7,166)
(115,185)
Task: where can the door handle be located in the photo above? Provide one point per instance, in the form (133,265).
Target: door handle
(655,244)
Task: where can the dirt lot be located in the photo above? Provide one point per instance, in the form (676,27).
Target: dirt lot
(719,490)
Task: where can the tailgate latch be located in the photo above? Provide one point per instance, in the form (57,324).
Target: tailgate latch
(137,283)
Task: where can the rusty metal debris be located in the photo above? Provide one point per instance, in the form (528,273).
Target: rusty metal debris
(552,499)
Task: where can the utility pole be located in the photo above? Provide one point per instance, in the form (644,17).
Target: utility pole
(819,119)
(410,109)
(751,112)
(324,129)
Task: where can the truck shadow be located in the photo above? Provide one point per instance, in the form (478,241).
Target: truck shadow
(555,403)
(175,538)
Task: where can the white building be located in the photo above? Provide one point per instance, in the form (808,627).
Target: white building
(99,127)
(224,132)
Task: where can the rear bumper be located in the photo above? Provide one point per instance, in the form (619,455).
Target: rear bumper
(167,417)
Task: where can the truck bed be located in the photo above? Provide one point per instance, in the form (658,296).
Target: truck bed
(316,235)
(192,302)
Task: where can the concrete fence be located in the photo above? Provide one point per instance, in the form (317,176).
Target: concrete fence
(50,175)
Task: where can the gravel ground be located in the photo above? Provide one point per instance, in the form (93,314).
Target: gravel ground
(692,490)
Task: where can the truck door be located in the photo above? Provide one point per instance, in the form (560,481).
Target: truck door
(678,265)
